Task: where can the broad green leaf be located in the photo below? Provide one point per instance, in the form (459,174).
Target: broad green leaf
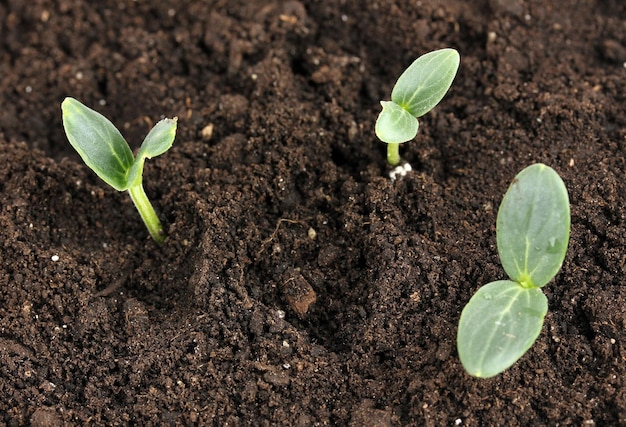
(498,325)
(158,141)
(420,88)
(394,124)
(98,142)
(533,226)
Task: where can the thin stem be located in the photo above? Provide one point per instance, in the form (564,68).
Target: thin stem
(149,216)
(393,154)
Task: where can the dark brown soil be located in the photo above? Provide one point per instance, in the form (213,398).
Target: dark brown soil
(298,284)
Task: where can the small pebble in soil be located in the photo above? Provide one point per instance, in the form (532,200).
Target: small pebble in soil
(45,416)
(54,258)
(613,51)
(207,132)
(299,294)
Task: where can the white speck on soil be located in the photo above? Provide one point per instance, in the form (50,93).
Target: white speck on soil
(400,170)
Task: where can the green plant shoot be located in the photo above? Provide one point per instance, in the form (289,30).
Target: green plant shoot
(504,318)
(106,152)
(418,90)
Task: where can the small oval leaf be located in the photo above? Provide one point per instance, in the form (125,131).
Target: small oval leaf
(98,142)
(533,226)
(158,141)
(498,325)
(394,124)
(422,86)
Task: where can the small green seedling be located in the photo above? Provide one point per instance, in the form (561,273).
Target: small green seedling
(418,90)
(504,318)
(103,148)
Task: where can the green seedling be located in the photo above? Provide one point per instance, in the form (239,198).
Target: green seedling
(504,318)
(418,90)
(103,148)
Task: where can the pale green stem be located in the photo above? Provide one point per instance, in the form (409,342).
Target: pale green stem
(149,216)
(393,154)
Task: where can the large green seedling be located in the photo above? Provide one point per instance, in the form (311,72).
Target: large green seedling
(504,318)
(106,152)
(417,91)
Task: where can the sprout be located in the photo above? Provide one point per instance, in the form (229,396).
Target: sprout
(418,90)
(504,318)
(106,152)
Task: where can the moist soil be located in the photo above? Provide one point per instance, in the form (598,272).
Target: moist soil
(298,284)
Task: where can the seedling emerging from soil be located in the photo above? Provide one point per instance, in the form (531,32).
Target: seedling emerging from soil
(504,318)
(418,90)
(104,149)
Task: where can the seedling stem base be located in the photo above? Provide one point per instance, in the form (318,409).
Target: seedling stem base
(393,154)
(147,212)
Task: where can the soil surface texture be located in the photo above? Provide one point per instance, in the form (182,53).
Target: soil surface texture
(298,284)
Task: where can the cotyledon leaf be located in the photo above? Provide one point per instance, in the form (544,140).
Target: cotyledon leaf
(394,124)
(158,141)
(498,325)
(425,82)
(98,142)
(533,224)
